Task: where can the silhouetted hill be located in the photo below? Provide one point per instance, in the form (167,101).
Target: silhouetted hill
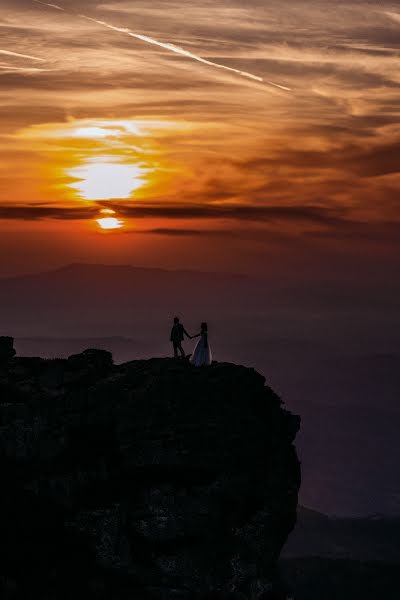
(323,579)
(327,558)
(80,298)
(151,479)
(91,285)
(362,539)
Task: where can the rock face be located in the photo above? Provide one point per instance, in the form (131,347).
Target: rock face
(6,349)
(151,479)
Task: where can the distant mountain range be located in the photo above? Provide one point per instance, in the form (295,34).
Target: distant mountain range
(78,298)
(91,285)
(317,578)
(328,558)
(124,289)
(375,538)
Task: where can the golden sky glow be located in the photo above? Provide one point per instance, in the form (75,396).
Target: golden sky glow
(265,128)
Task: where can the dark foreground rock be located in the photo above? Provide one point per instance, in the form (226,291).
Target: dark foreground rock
(316,578)
(152,479)
(7,351)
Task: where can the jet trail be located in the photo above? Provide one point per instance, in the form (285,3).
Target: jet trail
(50,5)
(24,69)
(172,48)
(175,49)
(18,55)
(183,52)
(394,16)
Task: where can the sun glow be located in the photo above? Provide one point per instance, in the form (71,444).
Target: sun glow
(104,178)
(103,128)
(93,132)
(102,159)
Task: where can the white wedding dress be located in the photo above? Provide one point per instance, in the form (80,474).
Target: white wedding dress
(202,353)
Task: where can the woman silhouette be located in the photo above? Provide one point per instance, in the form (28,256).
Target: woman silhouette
(202,353)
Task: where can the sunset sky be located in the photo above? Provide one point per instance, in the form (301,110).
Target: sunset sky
(258,136)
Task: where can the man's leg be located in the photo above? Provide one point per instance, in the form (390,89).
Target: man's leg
(181,350)
(175,345)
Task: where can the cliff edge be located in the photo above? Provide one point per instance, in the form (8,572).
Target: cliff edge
(150,479)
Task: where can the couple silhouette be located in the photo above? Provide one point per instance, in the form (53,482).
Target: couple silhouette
(201,354)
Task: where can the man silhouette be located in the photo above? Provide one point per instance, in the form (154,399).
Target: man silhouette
(178,333)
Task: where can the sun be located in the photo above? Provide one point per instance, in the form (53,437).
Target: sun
(110,223)
(104,178)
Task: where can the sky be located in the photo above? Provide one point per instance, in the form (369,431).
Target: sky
(259,136)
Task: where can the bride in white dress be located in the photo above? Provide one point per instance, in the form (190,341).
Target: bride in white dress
(202,353)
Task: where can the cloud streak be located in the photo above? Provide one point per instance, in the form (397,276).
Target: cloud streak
(49,5)
(394,16)
(176,50)
(18,55)
(316,215)
(35,212)
(182,52)
(12,68)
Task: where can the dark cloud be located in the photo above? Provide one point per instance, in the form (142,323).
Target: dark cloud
(38,212)
(310,214)
(382,233)
(371,159)
(382,159)
(296,214)
(182,232)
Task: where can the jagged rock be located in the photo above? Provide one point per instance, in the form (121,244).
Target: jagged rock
(97,361)
(152,479)
(7,351)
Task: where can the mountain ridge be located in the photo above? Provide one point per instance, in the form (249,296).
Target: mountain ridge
(80,267)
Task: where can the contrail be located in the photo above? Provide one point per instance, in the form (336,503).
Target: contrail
(172,48)
(175,49)
(394,16)
(25,69)
(183,52)
(18,55)
(50,5)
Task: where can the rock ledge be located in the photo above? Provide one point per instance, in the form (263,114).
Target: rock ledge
(151,479)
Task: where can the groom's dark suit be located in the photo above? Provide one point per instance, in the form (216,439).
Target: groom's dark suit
(178,333)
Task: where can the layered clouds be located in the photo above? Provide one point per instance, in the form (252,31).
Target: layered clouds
(287,112)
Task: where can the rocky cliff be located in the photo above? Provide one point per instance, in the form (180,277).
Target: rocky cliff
(151,479)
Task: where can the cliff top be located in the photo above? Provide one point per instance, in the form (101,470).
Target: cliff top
(177,481)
